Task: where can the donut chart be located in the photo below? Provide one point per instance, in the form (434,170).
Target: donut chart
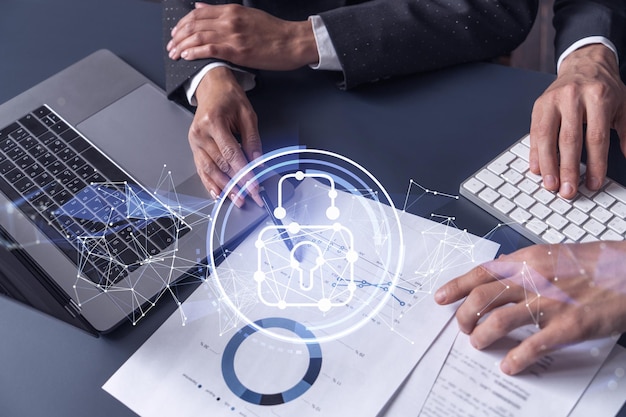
(248,395)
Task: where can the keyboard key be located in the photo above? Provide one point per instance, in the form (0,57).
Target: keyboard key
(601,214)
(524,200)
(594,227)
(557,221)
(617,191)
(512,176)
(577,217)
(619,225)
(611,235)
(522,151)
(519,215)
(560,206)
(504,205)
(520,165)
(540,211)
(553,236)
(584,204)
(501,164)
(619,209)
(488,195)
(489,178)
(527,186)
(603,199)
(544,196)
(508,191)
(536,226)
(473,185)
(573,232)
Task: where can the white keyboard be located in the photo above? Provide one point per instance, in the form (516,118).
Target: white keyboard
(507,189)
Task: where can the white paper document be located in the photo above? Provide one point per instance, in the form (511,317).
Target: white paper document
(223,363)
(471,383)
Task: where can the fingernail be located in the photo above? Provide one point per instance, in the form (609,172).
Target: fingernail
(593,183)
(440,296)
(213,195)
(256,155)
(236,201)
(566,189)
(173,32)
(169,45)
(549,182)
(505,367)
(184,54)
(172,53)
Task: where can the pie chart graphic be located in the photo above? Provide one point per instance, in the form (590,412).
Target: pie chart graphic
(239,389)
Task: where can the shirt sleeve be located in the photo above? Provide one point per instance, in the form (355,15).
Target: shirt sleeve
(325,49)
(245,79)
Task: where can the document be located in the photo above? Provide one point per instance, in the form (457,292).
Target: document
(471,383)
(606,394)
(223,363)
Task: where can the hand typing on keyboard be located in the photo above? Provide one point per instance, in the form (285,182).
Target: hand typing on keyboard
(587,90)
(571,292)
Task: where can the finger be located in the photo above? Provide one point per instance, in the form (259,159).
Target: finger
(485,298)
(500,323)
(214,170)
(534,347)
(620,127)
(597,142)
(461,286)
(545,123)
(570,148)
(251,145)
(202,42)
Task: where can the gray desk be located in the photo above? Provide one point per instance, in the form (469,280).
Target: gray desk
(435,128)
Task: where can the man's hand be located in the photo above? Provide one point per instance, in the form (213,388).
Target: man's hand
(223,110)
(244,36)
(587,90)
(571,292)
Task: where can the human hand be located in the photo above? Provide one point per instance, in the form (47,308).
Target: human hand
(244,36)
(224,110)
(587,90)
(572,292)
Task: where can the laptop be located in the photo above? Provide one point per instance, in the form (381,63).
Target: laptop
(101,209)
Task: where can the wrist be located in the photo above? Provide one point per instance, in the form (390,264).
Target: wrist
(303,43)
(592,54)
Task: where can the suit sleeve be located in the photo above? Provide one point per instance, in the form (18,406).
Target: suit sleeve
(178,72)
(384,38)
(578,19)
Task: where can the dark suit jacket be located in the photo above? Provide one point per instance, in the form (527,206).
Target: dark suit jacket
(577,19)
(377,39)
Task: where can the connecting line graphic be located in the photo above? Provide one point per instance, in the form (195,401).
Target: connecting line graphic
(383,287)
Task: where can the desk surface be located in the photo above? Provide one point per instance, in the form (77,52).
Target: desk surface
(435,129)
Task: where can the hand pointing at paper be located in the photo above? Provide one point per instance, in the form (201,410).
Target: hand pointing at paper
(571,292)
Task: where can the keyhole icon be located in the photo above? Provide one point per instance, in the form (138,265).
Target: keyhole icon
(306,270)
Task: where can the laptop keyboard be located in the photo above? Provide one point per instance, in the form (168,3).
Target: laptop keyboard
(97,215)
(507,189)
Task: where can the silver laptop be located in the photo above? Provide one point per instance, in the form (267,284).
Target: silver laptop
(101,210)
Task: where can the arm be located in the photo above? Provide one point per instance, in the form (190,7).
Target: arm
(373,39)
(422,36)
(588,91)
(223,110)
(571,293)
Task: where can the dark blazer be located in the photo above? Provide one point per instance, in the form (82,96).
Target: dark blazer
(577,19)
(377,39)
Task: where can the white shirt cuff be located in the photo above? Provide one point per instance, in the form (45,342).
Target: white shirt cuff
(584,42)
(325,49)
(244,78)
